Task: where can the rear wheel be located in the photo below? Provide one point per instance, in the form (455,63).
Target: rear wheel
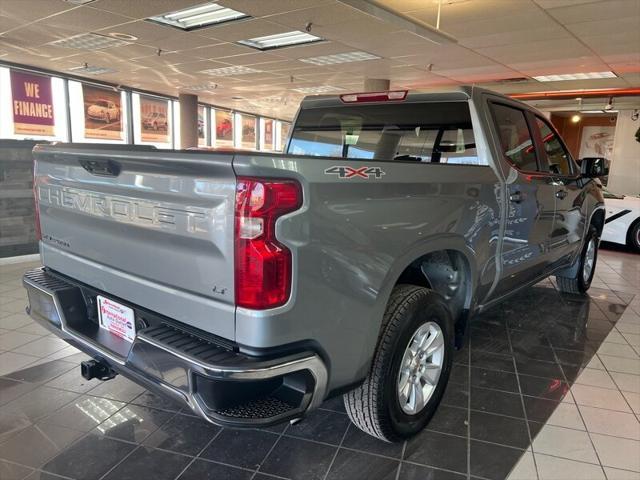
(633,237)
(581,281)
(410,368)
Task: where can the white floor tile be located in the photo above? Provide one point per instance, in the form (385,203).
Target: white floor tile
(565,443)
(599,397)
(553,468)
(617,452)
(619,364)
(617,474)
(566,415)
(617,350)
(634,401)
(10,362)
(525,469)
(595,378)
(627,381)
(12,321)
(608,422)
(12,340)
(42,347)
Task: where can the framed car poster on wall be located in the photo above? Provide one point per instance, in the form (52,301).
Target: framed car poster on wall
(154,119)
(102,113)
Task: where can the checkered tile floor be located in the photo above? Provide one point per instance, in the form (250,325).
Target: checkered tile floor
(547,388)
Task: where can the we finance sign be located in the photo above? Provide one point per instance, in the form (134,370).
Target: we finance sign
(32,104)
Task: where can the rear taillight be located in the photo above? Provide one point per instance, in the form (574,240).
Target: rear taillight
(37,204)
(391,96)
(262,264)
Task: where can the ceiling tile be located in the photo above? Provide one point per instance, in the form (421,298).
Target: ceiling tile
(591,12)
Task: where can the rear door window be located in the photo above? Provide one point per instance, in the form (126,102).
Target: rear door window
(515,137)
(439,132)
(558,160)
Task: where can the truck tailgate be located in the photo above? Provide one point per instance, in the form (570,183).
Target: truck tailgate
(151,227)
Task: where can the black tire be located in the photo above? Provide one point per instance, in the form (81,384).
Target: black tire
(633,236)
(578,284)
(374,406)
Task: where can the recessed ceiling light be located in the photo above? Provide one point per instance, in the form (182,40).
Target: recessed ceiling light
(92,70)
(123,36)
(574,76)
(279,40)
(89,41)
(316,90)
(199,16)
(229,71)
(346,57)
(203,87)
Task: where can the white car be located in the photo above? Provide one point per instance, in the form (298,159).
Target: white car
(622,223)
(104,110)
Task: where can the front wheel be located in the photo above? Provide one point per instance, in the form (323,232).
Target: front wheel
(410,367)
(581,280)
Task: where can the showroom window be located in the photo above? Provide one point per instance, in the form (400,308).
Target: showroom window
(515,138)
(427,133)
(558,159)
(35,108)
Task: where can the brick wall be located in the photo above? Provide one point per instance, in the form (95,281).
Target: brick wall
(17,227)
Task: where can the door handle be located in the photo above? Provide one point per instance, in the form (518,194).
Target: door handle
(561,194)
(516,197)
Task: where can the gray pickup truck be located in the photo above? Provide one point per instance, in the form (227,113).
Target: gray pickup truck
(254,286)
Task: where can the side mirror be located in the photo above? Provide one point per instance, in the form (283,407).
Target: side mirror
(594,167)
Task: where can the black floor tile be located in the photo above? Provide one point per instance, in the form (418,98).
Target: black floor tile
(456,395)
(451,420)
(12,389)
(438,450)
(151,400)
(40,475)
(133,423)
(358,440)
(495,401)
(204,470)
(529,366)
(494,379)
(183,434)
(322,426)
(335,404)
(552,389)
(39,403)
(299,459)
(578,358)
(409,471)
(149,463)
(11,471)
(73,382)
(119,388)
(243,448)
(350,465)
(492,361)
(539,409)
(498,429)
(459,374)
(492,461)
(84,413)
(89,458)
(37,444)
(10,425)
(43,372)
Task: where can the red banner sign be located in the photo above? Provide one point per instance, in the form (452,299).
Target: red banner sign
(32,103)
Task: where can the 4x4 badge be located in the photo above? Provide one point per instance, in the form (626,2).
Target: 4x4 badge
(350,172)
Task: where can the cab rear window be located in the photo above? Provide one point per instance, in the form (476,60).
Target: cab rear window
(416,132)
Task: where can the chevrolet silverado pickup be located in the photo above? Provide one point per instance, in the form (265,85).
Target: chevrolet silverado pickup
(252,287)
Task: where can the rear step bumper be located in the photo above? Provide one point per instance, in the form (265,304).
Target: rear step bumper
(221,385)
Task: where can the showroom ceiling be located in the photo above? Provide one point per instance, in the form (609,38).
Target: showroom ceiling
(496,41)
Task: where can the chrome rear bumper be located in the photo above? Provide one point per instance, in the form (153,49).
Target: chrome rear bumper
(221,385)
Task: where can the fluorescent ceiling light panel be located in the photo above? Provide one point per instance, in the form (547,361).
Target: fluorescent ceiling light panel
(229,71)
(574,76)
(316,90)
(89,41)
(279,40)
(347,57)
(92,70)
(199,16)
(398,19)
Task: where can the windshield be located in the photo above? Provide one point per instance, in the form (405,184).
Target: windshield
(419,132)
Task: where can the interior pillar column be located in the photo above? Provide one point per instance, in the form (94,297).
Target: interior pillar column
(188,120)
(376,84)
